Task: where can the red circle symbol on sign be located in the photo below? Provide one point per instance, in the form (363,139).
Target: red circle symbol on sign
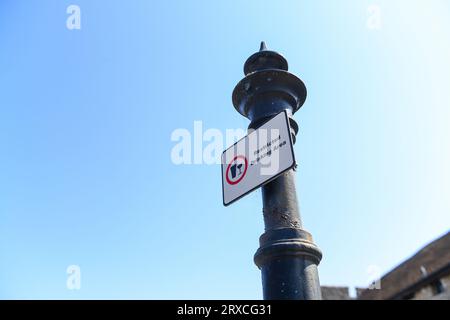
(236,170)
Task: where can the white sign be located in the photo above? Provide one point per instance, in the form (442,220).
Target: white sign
(258,158)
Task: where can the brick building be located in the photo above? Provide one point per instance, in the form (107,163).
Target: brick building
(424,276)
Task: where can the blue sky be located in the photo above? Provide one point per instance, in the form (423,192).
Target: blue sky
(86,118)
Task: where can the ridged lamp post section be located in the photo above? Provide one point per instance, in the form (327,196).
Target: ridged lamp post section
(287,256)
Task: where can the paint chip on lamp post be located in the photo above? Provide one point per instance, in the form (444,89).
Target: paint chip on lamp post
(258,158)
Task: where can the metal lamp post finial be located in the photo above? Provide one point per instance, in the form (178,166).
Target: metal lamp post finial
(262,47)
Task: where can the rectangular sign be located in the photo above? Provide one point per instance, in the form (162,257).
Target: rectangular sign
(259,157)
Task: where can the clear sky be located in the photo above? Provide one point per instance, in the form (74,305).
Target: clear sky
(86,118)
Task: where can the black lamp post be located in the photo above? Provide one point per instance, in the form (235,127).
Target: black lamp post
(287,255)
